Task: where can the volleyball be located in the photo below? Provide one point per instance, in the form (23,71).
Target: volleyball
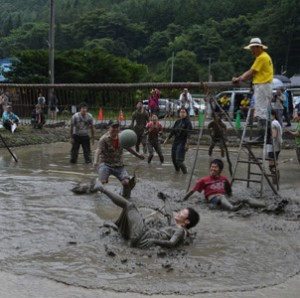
(127,138)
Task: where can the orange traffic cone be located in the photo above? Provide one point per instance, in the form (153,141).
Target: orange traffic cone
(100,115)
(121,117)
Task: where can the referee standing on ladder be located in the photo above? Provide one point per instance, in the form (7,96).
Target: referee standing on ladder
(262,73)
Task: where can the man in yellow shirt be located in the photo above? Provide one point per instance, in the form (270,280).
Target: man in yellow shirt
(244,106)
(225,102)
(262,73)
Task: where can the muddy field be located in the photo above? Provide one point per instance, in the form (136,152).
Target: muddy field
(49,233)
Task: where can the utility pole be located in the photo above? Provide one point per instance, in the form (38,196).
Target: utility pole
(51,41)
(172,67)
(209,70)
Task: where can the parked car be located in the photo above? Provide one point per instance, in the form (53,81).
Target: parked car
(236,97)
(176,105)
(296,102)
(166,108)
(199,102)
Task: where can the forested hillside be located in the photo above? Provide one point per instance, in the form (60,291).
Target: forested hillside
(140,36)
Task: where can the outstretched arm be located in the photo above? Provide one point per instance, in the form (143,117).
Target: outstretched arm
(245,76)
(140,156)
(188,194)
(177,238)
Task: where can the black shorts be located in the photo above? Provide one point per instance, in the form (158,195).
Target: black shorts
(271,155)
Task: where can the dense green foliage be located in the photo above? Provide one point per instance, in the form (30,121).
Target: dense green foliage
(113,40)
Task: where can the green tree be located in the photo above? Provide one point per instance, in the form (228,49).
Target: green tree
(185,67)
(75,66)
(8,26)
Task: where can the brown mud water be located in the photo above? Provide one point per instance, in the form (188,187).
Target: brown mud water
(48,232)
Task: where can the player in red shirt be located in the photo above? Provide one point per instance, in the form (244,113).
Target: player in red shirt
(215,187)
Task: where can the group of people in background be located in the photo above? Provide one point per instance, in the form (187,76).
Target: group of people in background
(11,121)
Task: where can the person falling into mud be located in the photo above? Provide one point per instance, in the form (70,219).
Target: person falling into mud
(108,156)
(133,226)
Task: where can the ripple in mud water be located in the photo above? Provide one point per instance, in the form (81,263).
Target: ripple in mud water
(46,231)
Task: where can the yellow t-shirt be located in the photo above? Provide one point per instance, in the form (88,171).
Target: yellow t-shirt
(225,100)
(245,102)
(263,68)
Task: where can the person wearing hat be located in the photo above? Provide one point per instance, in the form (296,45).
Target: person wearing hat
(108,158)
(81,123)
(296,134)
(262,73)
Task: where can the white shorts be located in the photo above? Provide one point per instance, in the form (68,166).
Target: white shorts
(263,97)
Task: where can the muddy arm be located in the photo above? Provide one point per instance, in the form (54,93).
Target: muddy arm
(188,195)
(177,237)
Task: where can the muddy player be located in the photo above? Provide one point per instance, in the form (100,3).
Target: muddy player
(153,130)
(215,187)
(110,152)
(134,228)
(140,118)
(182,130)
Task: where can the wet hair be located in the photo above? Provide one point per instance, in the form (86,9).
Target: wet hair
(193,217)
(183,108)
(83,105)
(218,162)
(273,113)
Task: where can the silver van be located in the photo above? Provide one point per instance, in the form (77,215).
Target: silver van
(236,97)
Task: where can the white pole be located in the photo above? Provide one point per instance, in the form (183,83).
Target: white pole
(172,67)
(209,75)
(51,41)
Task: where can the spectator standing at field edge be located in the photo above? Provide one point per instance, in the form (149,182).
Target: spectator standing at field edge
(81,123)
(296,134)
(153,103)
(186,101)
(10,120)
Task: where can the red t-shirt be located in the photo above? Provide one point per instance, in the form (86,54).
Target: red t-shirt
(116,143)
(211,186)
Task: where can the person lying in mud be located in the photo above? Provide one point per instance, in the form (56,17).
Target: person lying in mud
(216,187)
(134,227)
